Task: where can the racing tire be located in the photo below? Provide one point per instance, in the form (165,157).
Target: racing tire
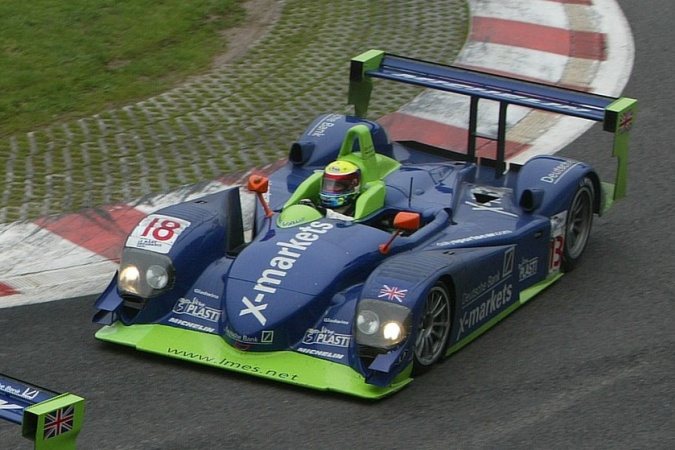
(433,330)
(578,225)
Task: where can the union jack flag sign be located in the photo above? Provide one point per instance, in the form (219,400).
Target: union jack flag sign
(59,422)
(626,122)
(392,293)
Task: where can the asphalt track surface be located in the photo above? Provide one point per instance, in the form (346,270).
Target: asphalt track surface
(589,364)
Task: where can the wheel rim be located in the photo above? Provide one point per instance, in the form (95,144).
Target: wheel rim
(579,222)
(434,326)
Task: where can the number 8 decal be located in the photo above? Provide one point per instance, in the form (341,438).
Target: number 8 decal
(557,245)
(557,242)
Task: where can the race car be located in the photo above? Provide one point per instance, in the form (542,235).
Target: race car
(439,247)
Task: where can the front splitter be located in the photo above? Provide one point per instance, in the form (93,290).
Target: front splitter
(284,366)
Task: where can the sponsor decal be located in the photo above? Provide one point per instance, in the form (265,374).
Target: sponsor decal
(507,267)
(321,353)
(324,336)
(392,293)
(527,268)
(27,393)
(492,280)
(191,325)
(336,321)
(327,123)
(206,294)
(4,404)
(59,422)
(474,238)
(278,267)
(157,233)
(266,337)
(196,308)
(292,223)
(482,288)
(497,300)
(232,365)
(559,172)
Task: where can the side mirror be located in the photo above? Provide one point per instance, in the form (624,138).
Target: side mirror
(407,221)
(260,185)
(403,221)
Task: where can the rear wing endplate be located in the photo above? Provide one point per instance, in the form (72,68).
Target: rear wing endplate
(51,420)
(616,114)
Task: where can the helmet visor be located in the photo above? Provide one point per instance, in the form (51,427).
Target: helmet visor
(334,186)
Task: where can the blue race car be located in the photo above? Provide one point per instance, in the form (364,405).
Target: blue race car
(432,251)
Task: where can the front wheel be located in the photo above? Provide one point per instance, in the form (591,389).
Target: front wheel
(433,329)
(579,222)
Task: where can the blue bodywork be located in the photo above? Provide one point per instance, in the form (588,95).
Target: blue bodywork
(490,236)
(298,287)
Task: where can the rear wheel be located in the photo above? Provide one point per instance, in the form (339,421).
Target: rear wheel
(579,223)
(433,329)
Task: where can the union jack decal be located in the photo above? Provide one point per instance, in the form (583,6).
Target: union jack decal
(626,122)
(59,422)
(392,293)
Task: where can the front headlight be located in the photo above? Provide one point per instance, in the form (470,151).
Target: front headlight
(368,322)
(144,274)
(393,331)
(157,277)
(381,324)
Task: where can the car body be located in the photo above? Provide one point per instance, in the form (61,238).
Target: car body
(440,247)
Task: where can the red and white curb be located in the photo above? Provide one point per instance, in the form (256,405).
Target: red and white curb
(583,44)
(72,255)
(580,44)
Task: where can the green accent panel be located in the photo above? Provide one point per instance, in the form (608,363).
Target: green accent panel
(620,119)
(525,296)
(369,60)
(34,417)
(529,293)
(361,86)
(285,366)
(608,193)
(373,166)
(308,189)
(367,162)
(296,215)
(370,200)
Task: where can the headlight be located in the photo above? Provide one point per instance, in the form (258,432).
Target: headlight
(392,331)
(129,275)
(157,277)
(381,324)
(368,322)
(144,274)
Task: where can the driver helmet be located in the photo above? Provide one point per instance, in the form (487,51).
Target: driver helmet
(341,184)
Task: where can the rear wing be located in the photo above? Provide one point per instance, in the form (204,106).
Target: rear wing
(616,114)
(51,420)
